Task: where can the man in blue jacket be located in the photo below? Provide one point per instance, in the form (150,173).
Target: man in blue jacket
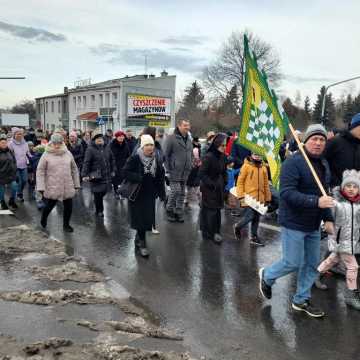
(302,208)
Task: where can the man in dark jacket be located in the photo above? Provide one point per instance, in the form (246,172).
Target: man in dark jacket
(343,151)
(302,208)
(7,173)
(178,152)
(75,146)
(131,140)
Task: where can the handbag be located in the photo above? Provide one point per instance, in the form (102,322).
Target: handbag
(129,190)
(95,175)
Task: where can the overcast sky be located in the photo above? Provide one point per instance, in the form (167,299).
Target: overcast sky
(54,43)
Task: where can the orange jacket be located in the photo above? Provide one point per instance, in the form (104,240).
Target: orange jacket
(253,180)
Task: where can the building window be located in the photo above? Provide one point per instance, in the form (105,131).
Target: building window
(74,124)
(84,101)
(74,101)
(107,100)
(92,100)
(52,106)
(79,101)
(47,106)
(114,99)
(64,106)
(41,108)
(52,127)
(101,100)
(59,106)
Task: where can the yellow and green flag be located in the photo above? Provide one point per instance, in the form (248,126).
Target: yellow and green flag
(263,120)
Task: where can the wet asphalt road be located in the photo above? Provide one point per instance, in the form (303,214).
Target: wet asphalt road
(209,291)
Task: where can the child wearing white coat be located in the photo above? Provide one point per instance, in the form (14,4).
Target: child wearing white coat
(345,243)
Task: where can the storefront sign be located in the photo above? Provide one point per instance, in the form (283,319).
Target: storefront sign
(152,108)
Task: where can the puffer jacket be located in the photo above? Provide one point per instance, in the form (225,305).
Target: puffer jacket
(57,174)
(347,226)
(21,152)
(253,180)
(7,166)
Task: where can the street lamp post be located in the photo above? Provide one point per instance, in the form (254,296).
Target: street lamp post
(327,88)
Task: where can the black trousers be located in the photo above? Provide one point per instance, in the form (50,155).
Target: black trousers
(99,201)
(210,221)
(50,204)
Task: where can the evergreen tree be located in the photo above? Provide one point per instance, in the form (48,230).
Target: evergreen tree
(193,98)
(230,105)
(348,109)
(329,113)
(307,107)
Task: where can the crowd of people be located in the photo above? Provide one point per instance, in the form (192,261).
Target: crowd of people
(178,170)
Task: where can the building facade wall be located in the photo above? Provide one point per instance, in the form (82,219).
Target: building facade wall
(82,101)
(51,112)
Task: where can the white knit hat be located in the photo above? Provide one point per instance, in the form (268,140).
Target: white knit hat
(146,140)
(351,177)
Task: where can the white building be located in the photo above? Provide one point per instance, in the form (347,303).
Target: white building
(130,102)
(52,111)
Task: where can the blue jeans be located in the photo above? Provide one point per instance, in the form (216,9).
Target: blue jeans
(249,215)
(22,178)
(300,253)
(13,186)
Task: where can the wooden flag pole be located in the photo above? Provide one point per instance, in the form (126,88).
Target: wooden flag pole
(301,148)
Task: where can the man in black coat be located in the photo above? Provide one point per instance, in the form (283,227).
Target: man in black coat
(343,151)
(131,140)
(7,173)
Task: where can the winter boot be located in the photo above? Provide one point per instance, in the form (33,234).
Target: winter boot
(12,203)
(352,298)
(144,252)
(254,240)
(3,205)
(68,228)
(217,239)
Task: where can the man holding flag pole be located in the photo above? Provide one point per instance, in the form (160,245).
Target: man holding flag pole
(303,178)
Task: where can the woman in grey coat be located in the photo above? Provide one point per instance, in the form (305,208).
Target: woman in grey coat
(344,243)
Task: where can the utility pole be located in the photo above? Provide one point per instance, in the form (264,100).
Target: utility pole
(327,88)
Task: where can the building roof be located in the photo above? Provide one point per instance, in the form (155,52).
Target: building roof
(108,83)
(51,96)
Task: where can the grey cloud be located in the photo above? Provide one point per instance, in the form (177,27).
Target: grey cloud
(30,33)
(156,58)
(184,40)
(304,79)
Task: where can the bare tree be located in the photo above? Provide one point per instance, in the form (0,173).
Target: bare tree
(227,69)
